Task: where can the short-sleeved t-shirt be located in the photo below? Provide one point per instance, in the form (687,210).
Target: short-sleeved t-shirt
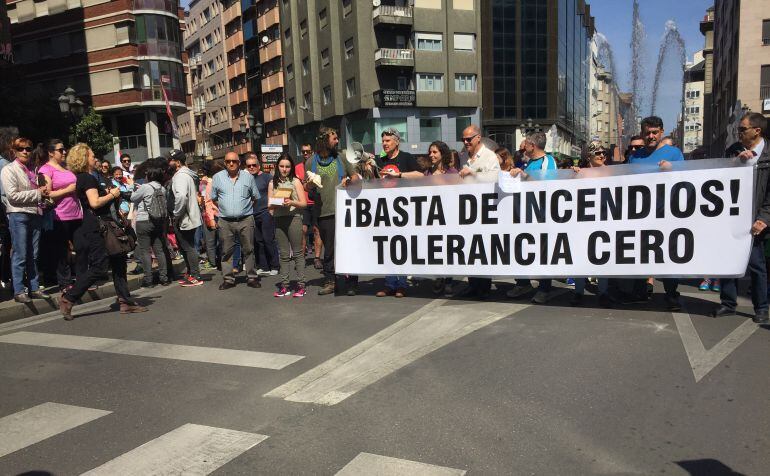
(299,171)
(402,163)
(86,181)
(667,152)
(329,179)
(67,208)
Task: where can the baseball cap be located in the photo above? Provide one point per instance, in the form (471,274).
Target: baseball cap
(176,154)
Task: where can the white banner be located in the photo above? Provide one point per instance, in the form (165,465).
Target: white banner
(623,221)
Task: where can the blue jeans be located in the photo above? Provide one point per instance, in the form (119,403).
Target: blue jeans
(25,240)
(395,282)
(758,273)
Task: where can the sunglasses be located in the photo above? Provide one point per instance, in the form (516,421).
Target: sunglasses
(634,147)
(61,150)
(468,139)
(23,149)
(306,152)
(251,165)
(600,153)
(231,161)
(125,161)
(744,129)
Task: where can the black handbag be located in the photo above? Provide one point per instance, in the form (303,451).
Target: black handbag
(119,237)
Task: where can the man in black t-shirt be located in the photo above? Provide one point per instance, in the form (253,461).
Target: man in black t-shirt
(395,164)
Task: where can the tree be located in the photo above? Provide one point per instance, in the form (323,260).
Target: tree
(91,130)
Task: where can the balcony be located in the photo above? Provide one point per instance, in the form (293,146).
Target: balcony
(236,69)
(195,61)
(270,18)
(274,81)
(234,40)
(394,57)
(272,50)
(392,15)
(169,6)
(395,98)
(274,113)
(238,96)
(231,13)
(199,109)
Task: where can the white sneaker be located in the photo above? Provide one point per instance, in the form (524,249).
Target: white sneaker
(262,272)
(273,272)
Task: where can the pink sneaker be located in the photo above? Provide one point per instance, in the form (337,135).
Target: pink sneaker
(299,292)
(283,292)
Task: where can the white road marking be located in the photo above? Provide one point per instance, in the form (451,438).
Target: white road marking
(414,336)
(190,450)
(41,422)
(243,358)
(703,361)
(376,465)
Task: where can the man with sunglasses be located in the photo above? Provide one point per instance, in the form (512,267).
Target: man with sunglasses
(234,192)
(265,249)
(634,144)
(753,150)
(125,164)
(23,196)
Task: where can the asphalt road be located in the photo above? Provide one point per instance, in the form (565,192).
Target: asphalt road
(366,385)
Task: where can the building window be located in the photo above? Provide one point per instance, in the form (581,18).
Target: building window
(303,28)
(350,87)
(292,105)
(287,36)
(460,124)
(692,94)
(428,41)
(465,42)
(693,110)
(325,57)
(305,66)
(430,82)
(347,7)
(465,83)
(430,129)
(349,51)
(327,95)
(289,72)
(402,83)
(766,32)
(764,85)
(323,19)
(307,100)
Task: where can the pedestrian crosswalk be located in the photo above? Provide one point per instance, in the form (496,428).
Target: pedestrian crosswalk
(190,449)
(264,360)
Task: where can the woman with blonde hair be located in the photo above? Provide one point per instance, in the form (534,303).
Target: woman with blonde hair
(90,247)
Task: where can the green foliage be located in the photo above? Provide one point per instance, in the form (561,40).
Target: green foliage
(91,130)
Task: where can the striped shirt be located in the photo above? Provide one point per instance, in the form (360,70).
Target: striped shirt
(235,200)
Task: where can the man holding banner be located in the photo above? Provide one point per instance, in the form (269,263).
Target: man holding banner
(751,130)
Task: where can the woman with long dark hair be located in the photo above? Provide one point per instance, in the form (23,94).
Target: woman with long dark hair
(149,199)
(288,223)
(67,215)
(90,246)
(440,157)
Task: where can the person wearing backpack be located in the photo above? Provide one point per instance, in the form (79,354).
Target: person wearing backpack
(186,215)
(151,214)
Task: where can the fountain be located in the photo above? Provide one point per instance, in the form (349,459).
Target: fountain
(605,54)
(671,39)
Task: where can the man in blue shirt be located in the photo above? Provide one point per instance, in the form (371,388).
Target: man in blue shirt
(234,192)
(657,153)
(654,151)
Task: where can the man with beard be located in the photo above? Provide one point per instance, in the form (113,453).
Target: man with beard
(333,170)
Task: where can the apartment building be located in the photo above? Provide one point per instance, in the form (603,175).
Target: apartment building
(120,56)
(536,58)
(206,130)
(707,29)
(691,128)
(741,65)
(362,67)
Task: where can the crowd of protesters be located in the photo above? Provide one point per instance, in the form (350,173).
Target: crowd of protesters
(231,215)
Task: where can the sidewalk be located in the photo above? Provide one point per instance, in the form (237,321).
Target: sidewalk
(11,310)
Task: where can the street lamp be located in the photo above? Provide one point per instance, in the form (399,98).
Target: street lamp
(252,130)
(69,104)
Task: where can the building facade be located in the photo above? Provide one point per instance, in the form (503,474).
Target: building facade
(536,58)
(707,29)
(741,75)
(691,128)
(123,57)
(208,124)
(424,80)
(605,121)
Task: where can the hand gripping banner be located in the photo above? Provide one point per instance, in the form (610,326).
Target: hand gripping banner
(617,221)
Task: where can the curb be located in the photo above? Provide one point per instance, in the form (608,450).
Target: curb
(11,310)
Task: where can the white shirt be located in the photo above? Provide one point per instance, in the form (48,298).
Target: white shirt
(758,151)
(484,160)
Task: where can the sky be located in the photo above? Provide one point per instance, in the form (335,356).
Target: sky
(613,19)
